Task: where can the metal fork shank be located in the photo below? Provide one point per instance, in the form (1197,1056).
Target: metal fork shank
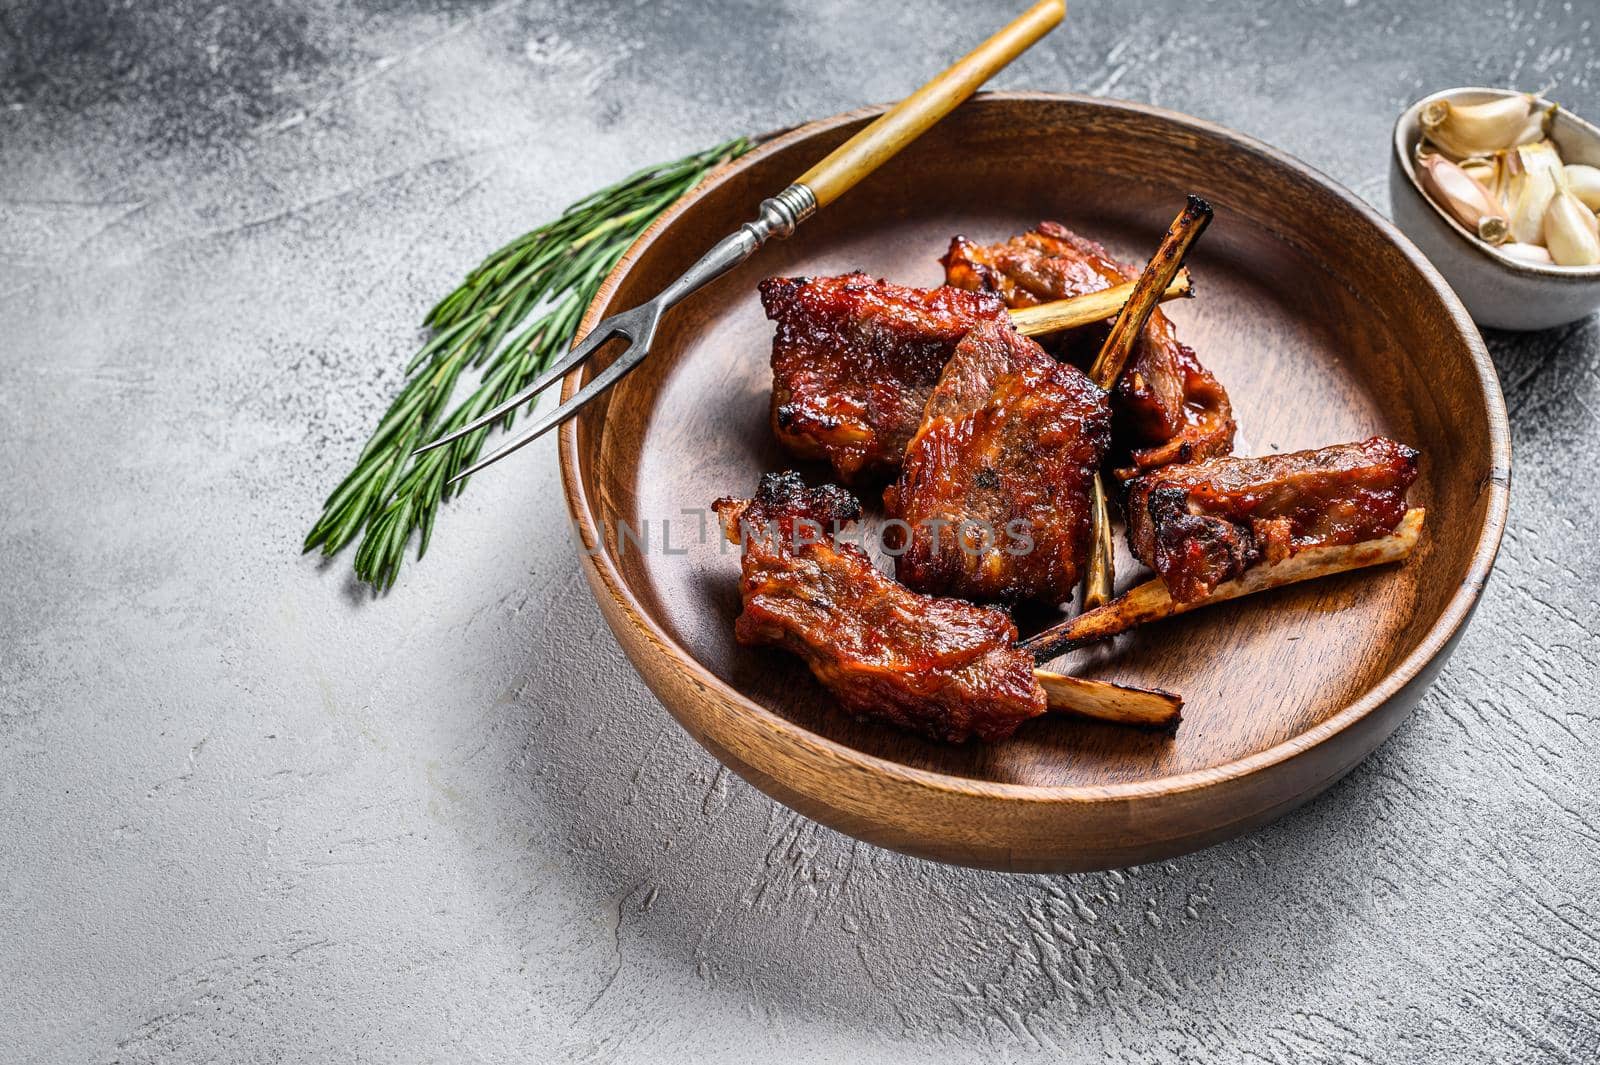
(778,217)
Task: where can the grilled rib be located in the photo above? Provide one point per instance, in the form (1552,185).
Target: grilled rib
(1168,407)
(993,492)
(940,667)
(854,361)
(1203,523)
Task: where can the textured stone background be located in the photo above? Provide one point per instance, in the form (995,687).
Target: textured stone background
(250,815)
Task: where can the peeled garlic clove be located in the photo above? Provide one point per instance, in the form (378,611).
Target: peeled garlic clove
(1468,202)
(1528,253)
(1461,130)
(1585,183)
(1570,230)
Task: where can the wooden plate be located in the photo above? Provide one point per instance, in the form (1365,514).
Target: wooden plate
(1324,323)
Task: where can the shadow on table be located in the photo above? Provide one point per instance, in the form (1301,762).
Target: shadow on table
(733,896)
(712,880)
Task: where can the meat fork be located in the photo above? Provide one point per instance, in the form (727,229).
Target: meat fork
(778,216)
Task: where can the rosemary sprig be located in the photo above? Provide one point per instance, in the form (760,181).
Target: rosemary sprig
(549,275)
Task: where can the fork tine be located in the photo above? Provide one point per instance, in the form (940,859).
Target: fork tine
(606,378)
(604,331)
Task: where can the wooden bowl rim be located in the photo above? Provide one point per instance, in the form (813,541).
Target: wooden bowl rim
(1455,613)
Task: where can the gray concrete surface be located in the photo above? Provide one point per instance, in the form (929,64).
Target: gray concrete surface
(248,815)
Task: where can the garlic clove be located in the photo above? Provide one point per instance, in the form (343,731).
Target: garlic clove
(1483,169)
(1531,194)
(1461,130)
(1501,185)
(1468,202)
(1537,127)
(1532,170)
(1570,229)
(1528,253)
(1585,182)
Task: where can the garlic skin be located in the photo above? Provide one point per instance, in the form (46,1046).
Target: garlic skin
(1468,202)
(1571,231)
(1462,130)
(1539,155)
(1585,183)
(1528,253)
(1532,182)
(1530,197)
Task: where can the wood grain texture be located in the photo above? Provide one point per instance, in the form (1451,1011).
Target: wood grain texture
(1285,692)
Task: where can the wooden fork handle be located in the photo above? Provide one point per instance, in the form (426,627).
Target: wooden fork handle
(907,120)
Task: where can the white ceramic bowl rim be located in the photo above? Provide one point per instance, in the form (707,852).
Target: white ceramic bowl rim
(1402,154)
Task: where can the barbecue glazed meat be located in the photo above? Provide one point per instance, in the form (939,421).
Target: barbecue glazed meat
(994,488)
(941,667)
(1169,408)
(1200,524)
(853,362)
(1049,262)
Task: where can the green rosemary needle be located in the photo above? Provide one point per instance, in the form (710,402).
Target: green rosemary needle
(510,319)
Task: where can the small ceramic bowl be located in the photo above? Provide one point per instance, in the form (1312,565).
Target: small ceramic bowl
(1499,291)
